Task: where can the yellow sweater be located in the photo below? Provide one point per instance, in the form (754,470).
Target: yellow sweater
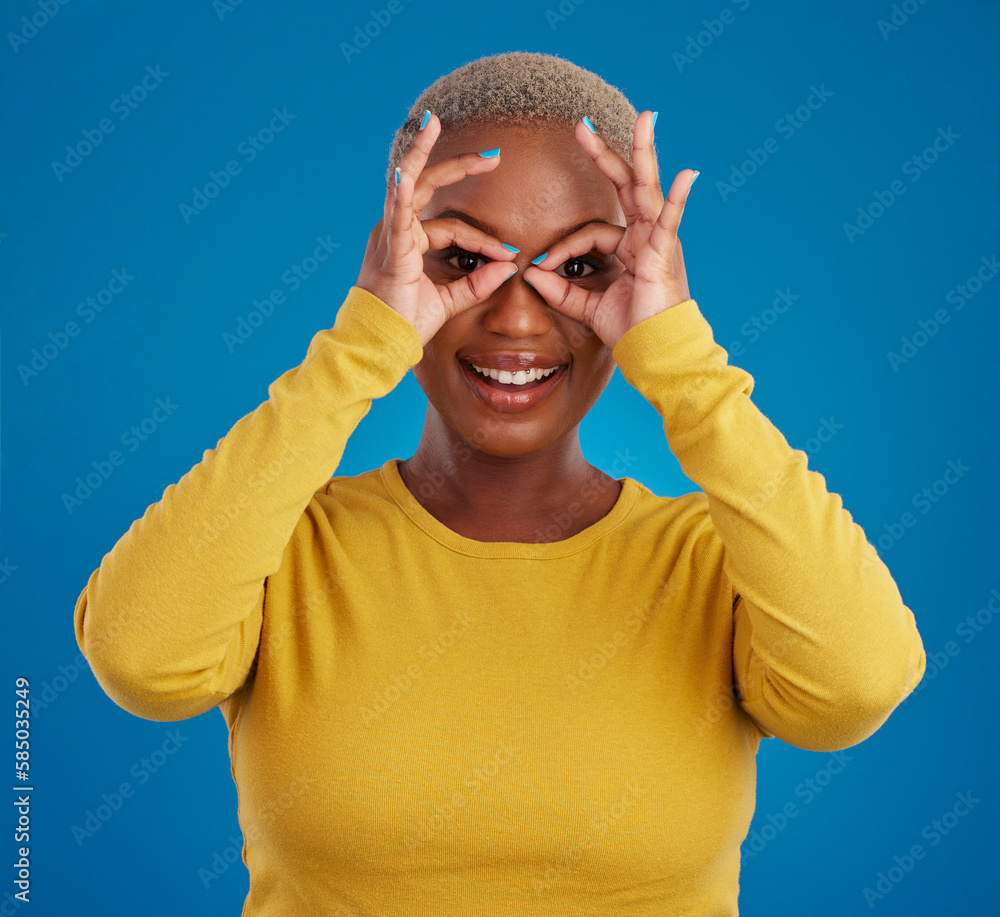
(437,725)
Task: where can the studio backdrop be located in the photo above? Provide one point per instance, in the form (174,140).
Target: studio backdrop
(187,192)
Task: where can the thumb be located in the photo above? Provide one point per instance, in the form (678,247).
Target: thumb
(560,294)
(473,288)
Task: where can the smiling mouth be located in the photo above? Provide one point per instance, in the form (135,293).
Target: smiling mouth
(514,396)
(519,381)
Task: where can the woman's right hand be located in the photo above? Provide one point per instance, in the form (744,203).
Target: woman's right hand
(393,266)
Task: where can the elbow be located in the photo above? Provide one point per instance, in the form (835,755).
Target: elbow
(860,703)
(134,680)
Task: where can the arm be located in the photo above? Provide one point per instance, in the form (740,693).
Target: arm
(170,621)
(824,648)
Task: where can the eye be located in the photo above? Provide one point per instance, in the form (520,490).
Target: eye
(466,259)
(575,267)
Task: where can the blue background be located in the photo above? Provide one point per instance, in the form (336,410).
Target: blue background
(782,229)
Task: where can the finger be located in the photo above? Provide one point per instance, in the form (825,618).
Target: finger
(612,165)
(663,238)
(399,234)
(561,294)
(413,160)
(603,237)
(452,231)
(474,287)
(646,179)
(447,172)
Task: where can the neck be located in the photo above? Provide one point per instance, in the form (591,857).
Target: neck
(506,498)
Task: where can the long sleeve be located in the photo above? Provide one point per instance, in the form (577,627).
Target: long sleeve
(171,619)
(823,647)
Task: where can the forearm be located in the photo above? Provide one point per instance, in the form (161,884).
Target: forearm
(170,620)
(825,647)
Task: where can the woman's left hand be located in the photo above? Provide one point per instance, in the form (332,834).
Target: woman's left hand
(654,278)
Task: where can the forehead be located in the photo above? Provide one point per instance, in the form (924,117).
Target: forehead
(545,180)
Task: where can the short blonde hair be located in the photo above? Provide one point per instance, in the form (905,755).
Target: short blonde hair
(515,87)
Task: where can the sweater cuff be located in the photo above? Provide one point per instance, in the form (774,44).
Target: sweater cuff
(680,331)
(365,309)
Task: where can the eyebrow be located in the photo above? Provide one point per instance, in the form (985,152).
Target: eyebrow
(491,230)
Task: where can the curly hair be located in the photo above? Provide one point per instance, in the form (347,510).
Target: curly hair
(514,88)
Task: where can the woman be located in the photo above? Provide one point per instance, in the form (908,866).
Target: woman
(491,678)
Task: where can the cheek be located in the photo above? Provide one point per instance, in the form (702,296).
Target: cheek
(601,368)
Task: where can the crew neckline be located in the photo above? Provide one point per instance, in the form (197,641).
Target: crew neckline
(400,493)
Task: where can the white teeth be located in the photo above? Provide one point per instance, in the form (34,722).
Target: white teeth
(521,377)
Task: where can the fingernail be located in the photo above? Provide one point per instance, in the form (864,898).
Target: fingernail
(586,120)
(540,258)
(397,175)
(694,179)
(423,123)
(509,248)
(513,272)
(489,154)
(655,113)
(529,283)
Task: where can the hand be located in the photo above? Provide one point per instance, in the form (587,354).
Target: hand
(654,279)
(393,266)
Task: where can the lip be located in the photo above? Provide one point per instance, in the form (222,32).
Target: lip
(514,401)
(513,360)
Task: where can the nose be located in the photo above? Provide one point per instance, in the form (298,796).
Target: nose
(516,309)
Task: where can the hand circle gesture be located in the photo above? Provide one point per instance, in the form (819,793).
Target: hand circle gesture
(393,266)
(654,278)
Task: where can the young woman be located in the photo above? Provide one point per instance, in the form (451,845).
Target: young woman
(492,678)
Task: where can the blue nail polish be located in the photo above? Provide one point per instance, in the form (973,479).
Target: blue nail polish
(509,248)
(489,154)
(541,257)
(694,178)
(655,113)
(529,283)
(397,175)
(423,123)
(586,120)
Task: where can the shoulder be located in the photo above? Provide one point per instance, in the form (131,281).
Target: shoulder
(681,525)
